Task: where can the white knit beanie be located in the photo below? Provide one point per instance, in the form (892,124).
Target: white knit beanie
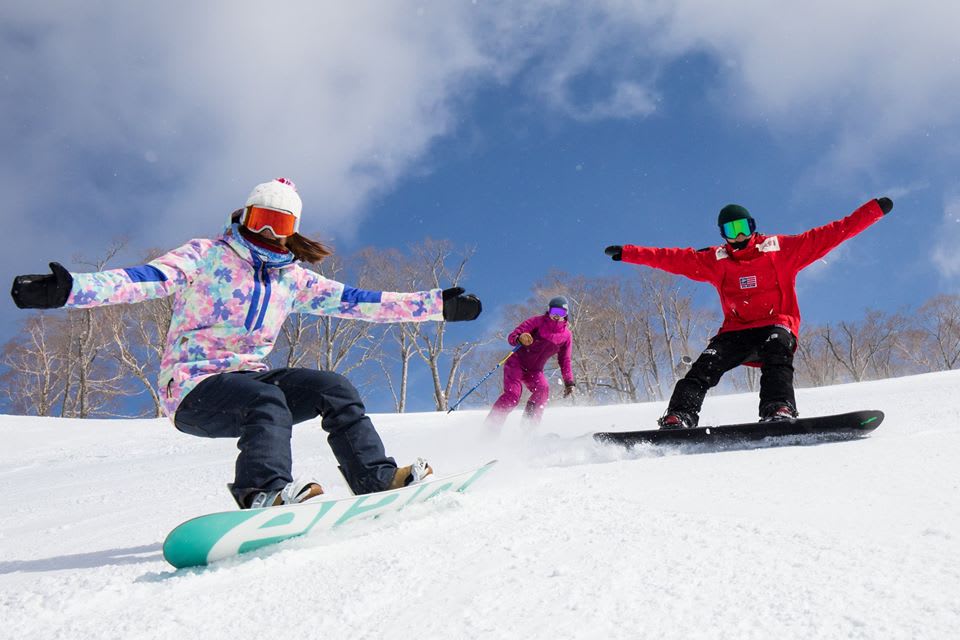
(280,194)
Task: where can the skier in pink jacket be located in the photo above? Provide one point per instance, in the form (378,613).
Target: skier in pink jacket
(231,296)
(539,338)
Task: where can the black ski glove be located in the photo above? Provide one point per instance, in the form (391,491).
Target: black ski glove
(43,291)
(886,204)
(568,389)
(457,306)
(615,252)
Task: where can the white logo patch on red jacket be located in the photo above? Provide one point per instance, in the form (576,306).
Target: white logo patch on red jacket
(770,244)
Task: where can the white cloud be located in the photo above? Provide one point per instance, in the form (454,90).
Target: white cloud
(944,254)
(628,100)
(869,72)
(219,96)
(147,112)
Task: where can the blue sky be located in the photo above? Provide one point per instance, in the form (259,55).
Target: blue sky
(539,132)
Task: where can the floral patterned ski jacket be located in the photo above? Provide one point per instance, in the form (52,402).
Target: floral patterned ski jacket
(229,306)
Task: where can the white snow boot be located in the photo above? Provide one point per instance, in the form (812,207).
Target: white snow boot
(411,474)
(294,493)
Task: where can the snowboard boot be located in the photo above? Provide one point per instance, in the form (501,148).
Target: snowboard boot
(411,474)
(678,420)
(776,411)
(294,493)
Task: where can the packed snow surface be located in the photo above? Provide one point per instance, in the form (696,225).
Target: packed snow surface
(565,538)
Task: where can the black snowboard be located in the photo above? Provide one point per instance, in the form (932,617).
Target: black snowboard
(843,426)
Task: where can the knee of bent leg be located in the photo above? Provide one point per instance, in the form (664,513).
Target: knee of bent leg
(332,383)
(540,394)
(776,358)
(510,395)
(706,369)
(778,349)
(340,380)
(269,404)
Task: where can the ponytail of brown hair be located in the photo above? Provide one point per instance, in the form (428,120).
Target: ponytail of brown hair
(307,250)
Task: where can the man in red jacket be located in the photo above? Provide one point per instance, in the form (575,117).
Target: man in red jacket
(755,276)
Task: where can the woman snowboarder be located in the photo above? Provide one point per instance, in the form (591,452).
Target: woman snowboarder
(539,338)
(231,297)
(755,275)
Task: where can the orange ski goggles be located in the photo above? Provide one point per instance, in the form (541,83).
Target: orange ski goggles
(281,223)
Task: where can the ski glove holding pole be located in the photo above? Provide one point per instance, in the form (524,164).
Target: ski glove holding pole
(615,251)
(457,306)
(483,379)
(43,291)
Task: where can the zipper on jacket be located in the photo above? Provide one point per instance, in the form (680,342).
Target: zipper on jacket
(261,286)
(266,298)
(255,298)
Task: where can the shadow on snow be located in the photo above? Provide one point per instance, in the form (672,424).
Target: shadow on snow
(93,559)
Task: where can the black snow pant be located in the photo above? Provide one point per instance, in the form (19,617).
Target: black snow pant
(260,408)
(772,347)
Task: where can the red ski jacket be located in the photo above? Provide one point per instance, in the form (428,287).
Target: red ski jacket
(757,284)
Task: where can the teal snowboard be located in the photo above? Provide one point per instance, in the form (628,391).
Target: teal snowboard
(216,536)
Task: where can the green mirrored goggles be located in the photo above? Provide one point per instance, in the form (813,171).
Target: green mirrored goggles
(734,228)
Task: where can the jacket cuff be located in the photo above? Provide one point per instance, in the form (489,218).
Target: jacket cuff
(629,253)
(435,296)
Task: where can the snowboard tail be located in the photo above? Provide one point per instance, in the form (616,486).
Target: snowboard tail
(844,426)
(216,536)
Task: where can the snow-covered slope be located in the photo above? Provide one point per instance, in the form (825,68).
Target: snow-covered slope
(565,539)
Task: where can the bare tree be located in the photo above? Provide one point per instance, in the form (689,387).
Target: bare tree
(815,365)
(669,308)
(293,340)
(139,334)
(439,264)
(484,359)
(341,344)
(618,334)
(93,377)
(936,343)
(650,374)
(858,345)
(745,378)
(88,380)
(884,361)
(390,270)
(34,382)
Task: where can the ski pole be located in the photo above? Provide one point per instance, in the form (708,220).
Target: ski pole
(483,379)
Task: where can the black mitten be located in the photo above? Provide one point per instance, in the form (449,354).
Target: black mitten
(457,306)
(43,291)
(615,252)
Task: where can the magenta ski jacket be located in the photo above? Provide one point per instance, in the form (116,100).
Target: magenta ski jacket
(229,306)
(550,338)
